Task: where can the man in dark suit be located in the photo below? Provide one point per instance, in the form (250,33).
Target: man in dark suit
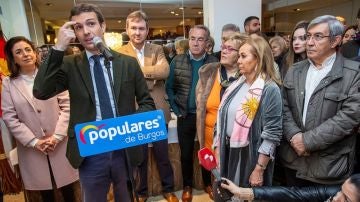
(85,77)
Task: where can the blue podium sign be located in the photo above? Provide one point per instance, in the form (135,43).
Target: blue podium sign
(121,132)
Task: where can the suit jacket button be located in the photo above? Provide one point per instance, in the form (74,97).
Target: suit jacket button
(38,110)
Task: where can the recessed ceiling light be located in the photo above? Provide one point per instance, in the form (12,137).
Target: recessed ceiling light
(297,9)
(181,8)
(200,12)
(119,21)
(176,14)
(172,12)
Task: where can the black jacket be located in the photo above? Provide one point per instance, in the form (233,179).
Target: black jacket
(294,194)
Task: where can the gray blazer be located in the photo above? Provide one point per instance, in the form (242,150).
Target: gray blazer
(333,113)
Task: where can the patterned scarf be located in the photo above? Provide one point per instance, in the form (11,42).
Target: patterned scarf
(246,112)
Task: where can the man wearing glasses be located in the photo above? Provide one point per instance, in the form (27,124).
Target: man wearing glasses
(180,88)
(321,110)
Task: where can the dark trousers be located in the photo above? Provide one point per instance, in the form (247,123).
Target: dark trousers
(99,171)
(66,191)
(160,151)
(186,128)
(206,176)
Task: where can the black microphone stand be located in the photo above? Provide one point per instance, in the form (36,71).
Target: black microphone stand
(127,159)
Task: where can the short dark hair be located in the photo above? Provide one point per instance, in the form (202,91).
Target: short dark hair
(230,27)
(248,19)
(84,8)
(14,68)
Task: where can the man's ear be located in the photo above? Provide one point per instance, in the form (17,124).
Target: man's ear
(337,41)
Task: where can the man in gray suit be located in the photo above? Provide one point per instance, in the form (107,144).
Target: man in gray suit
(321,110)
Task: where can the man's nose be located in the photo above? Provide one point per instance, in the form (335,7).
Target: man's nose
(86,30)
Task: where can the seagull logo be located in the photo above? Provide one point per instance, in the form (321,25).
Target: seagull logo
(86,128)
(207,156)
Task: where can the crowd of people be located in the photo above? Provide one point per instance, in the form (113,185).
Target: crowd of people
(267,107)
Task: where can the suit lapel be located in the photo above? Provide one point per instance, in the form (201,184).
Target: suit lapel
(130,50)
(84,69)
(23,91)
(117,74)
(147,55)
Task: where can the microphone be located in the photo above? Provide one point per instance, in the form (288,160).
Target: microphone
(99,44)
(208,161)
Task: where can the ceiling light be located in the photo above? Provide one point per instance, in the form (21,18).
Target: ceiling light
(119,21)
(176,14)
(297,9)
(181,8)
(172,12)
(200,12)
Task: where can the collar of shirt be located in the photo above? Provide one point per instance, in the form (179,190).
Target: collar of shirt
(327,63)
(29,78)
(139,53)
(192,56)
(89,54)
(137,50)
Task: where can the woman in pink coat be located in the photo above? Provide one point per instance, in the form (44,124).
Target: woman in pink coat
(39,127)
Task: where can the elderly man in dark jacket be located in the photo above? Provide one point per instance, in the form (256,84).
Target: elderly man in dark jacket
(321,110)
(180,88)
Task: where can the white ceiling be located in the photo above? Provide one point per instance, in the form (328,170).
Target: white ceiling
(56,12)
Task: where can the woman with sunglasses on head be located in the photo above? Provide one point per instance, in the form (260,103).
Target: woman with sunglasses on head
(214,78)
(349,191)
(297,48)
(39,126)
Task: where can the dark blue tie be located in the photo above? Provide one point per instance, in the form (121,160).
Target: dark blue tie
(103,94)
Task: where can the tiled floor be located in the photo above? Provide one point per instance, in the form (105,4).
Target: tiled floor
(199,196)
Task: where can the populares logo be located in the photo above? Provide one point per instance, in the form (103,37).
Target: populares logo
(101,132)
(86,128)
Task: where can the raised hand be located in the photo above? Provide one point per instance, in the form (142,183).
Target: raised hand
(66,36)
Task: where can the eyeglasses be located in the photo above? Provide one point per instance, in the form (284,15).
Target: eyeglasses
(316,37)
(228,48)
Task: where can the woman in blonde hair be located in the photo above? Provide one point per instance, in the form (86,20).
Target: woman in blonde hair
(249,121)
(279,50)
(214,78)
